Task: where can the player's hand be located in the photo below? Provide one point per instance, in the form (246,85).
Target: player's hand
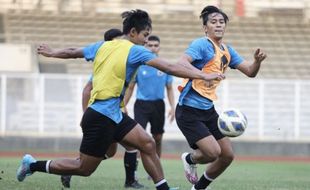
(45,50)
(259,55)
(171,115)
(214,76)
(124,109)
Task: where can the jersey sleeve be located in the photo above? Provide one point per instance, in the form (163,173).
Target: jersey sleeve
(90,50)
(90,79)
(140,55)
(169,80)
(194,50)
(236,59)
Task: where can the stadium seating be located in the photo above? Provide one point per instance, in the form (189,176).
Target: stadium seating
(287,43)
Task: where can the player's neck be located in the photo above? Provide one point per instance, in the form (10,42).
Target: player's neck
(218,42)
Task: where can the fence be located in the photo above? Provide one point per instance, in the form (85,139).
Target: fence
(50,105)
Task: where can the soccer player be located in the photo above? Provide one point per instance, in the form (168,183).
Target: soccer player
(195,113)
(130,158)
(149,105)
(103,123)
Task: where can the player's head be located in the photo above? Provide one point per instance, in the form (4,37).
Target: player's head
(153,44)
(214,21)
(137,25)
(112,33)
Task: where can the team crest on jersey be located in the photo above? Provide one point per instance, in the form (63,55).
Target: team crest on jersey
(160,73)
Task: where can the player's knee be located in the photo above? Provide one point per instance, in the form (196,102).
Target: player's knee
(214,154)
(157,138)
(148,145)
(111,151)
(86,172)
(227,158)
(158,142)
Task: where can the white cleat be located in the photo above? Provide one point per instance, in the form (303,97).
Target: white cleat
(190,170)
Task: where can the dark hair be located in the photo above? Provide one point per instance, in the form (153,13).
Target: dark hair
(209,10)
(153,38)
(111,34)
(137,19)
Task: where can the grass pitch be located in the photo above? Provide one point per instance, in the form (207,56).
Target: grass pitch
(242,175)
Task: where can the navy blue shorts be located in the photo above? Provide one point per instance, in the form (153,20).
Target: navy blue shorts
(99,132)
(197,124)
(152,112)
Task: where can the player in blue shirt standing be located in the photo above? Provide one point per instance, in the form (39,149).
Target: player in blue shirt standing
(149,106)
(195,113)
(103,122)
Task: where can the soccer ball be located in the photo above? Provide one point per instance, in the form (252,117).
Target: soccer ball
(232,122)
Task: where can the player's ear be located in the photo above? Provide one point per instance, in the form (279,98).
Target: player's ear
(205,28)
(133,32)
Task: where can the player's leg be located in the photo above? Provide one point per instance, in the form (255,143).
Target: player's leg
(131,165)
(130,157)
(95,142)
(157,122)
(66,179)
(134,135)
(84,166)
(223,158)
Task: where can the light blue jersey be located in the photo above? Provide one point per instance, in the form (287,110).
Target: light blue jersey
(151,83)
(138,55)
(202,51)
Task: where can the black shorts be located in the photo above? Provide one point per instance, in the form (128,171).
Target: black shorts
(99,132)
(196,124)
(150,111)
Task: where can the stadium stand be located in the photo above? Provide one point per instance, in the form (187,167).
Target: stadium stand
(287,42)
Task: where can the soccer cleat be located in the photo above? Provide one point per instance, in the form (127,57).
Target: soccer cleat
(24,169)
(193,188)
(190,170)
(135,185)
(65,180)
(174,188)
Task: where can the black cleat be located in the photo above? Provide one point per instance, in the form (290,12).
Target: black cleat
(135,185)
(65,180)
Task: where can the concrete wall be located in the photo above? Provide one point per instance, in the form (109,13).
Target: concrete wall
(52,145)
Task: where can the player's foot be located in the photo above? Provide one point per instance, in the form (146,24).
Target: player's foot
(135,185)
(193,188)
(24,169)
(65,180)
(190,169)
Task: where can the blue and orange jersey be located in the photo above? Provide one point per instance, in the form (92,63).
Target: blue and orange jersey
(210,58)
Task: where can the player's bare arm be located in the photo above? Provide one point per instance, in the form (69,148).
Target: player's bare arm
(183,71)
(128,95)
(249,69)
(65,53)
(170,96)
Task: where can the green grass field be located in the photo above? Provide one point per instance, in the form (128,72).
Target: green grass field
(242,175)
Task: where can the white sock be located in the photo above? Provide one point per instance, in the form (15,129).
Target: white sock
(207,177)
(47,166)
(160,182)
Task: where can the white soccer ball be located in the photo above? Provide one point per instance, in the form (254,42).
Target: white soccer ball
(232,122)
